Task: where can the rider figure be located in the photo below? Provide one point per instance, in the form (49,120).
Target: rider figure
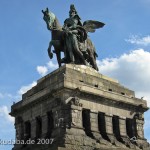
(74,34)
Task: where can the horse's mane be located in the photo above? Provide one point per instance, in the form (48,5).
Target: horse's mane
(57,24)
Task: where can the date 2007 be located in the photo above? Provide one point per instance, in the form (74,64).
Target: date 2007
(45,141)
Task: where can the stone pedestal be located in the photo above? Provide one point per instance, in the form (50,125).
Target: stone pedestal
(75,108)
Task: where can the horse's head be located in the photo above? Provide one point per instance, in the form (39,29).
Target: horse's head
(49,18)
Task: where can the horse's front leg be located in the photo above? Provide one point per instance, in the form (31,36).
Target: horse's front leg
(57,46)
(50,54)
(58,54)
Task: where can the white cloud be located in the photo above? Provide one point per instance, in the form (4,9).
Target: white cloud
(4,114)
(42,70)
(24,89)
(1,95)
(52,65)
(132,70)
(134,39)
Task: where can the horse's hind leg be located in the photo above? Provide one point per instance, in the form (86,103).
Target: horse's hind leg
(92,60)
(58,54)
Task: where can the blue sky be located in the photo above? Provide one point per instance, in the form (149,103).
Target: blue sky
(123,46)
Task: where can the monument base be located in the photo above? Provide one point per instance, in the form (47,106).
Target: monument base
(77,108)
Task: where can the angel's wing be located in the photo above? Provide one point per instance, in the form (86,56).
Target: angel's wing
(91,25)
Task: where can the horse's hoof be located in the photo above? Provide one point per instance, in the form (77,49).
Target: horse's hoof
(51,55)
(54,51)
(63,60)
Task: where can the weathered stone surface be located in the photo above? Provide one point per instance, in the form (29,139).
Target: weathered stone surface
(77,108)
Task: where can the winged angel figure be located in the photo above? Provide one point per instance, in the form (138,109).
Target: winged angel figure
(75,44)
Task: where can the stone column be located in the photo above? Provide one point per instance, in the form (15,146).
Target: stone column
(140,130)
(75,116)
(109,127)
(95,127)
(58,117)
(33,129)
(44,125)
(122,126)
(17,127)
(123,132)
(141,141)
(19,133)
(75,134)
(109,130)
(94,121)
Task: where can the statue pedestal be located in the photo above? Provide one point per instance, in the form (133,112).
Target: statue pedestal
(68,109)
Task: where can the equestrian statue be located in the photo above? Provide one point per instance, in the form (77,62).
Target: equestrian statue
(72,38)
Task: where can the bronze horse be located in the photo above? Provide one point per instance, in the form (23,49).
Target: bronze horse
(57,40)
(56,33)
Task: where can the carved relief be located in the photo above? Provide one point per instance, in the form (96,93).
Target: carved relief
(76,117)
(75,101)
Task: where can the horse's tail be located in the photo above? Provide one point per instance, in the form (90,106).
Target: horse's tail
(92,48)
